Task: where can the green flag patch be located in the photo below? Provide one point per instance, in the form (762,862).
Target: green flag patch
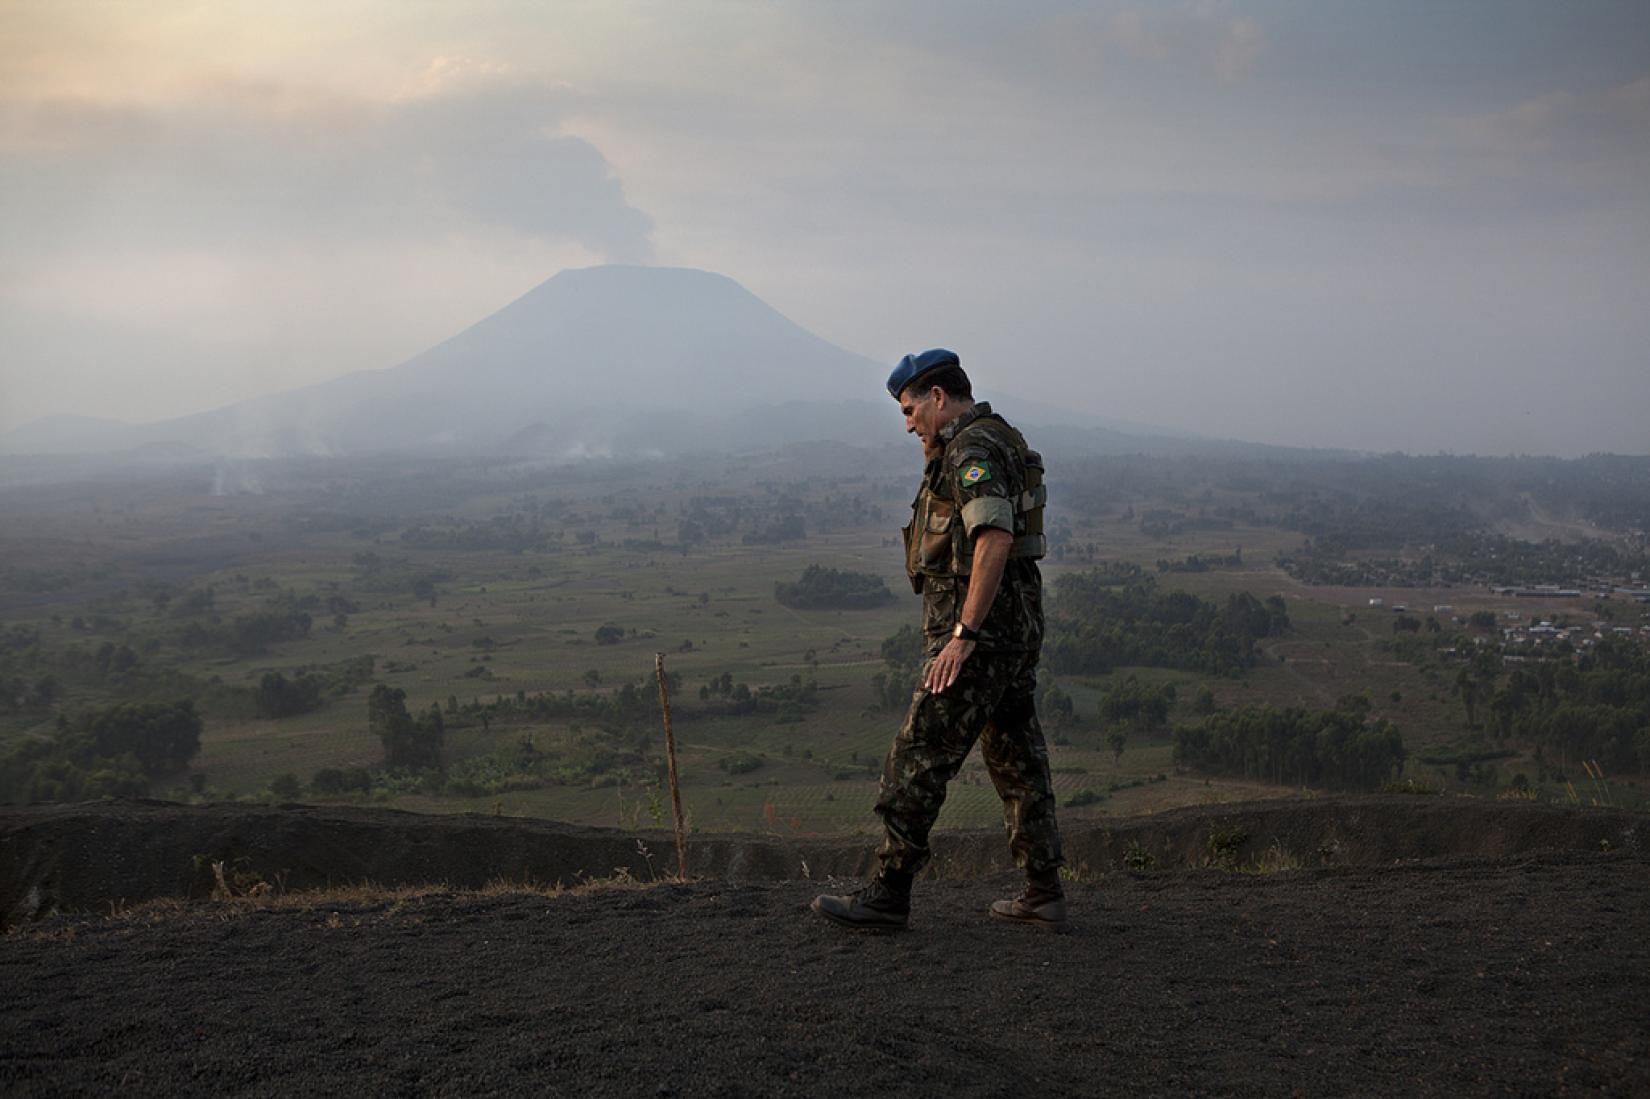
(975,472)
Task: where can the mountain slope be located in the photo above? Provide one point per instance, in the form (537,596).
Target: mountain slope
(593,360)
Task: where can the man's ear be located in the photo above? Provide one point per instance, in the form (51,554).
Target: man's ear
(940,397)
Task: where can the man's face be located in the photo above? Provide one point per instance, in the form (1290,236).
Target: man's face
(923,412)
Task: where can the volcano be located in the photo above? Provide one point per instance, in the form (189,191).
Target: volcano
(600,360)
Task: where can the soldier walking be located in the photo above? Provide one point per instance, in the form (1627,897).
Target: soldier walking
(971,550)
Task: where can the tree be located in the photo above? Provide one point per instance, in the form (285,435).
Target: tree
(1056,706)
(1116,741)
(1467,686)
(408,743)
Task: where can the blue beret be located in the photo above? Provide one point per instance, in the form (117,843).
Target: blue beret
(913,367)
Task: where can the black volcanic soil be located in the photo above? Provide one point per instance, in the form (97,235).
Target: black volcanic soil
(1519,972)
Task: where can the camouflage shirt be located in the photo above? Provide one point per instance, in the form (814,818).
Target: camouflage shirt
(973,484)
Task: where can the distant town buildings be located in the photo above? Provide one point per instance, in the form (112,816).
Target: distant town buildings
(1540,591)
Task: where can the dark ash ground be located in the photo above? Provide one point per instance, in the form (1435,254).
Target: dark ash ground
(1526,974)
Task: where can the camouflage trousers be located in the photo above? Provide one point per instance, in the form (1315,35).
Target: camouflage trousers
(993,702)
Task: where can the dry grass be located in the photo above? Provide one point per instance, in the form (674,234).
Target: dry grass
(1273,860)
(348,905)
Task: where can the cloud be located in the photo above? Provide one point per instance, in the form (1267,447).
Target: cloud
(1206,34)
(1609,125)
(158,257)
(242,164)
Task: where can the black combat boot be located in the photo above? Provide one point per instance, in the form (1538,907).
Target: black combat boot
(882,904)
(1042,904)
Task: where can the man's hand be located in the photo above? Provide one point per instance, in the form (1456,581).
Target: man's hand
(947,665)
(991,548)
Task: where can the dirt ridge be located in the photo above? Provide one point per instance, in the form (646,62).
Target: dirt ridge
(88,856)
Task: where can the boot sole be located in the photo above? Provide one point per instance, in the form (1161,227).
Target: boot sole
(855,925)
(1047,927)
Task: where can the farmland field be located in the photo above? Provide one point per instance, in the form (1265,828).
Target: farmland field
(520,600)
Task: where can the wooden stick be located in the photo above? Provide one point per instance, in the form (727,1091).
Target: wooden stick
(670,759)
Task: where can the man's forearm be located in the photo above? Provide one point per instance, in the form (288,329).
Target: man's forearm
(991,548)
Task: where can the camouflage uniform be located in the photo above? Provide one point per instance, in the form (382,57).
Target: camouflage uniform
(980,480)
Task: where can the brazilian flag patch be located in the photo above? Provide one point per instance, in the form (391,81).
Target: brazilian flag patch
(975,473)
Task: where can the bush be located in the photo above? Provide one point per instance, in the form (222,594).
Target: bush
(741,763)
(333,780)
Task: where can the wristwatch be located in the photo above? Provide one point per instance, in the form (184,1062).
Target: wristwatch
(963,633)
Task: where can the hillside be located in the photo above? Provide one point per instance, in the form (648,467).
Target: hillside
(1444,975)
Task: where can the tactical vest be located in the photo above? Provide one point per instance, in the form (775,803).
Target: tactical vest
(937,542)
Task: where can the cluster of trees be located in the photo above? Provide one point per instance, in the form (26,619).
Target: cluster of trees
(511,532)
(820,588)
(1595,708)
(633,707)
(249,634)
(21,694)
(1166,523)
(279,696)
(23,685)
(117,751)
(902,653)
(775,519)
(1339,748)
(785,528)
(1194,562)
(590,758)
(1134,704)
(787,703)
(1463,557)
(1101,619)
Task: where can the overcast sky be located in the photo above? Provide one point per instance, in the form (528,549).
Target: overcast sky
(1420,226)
